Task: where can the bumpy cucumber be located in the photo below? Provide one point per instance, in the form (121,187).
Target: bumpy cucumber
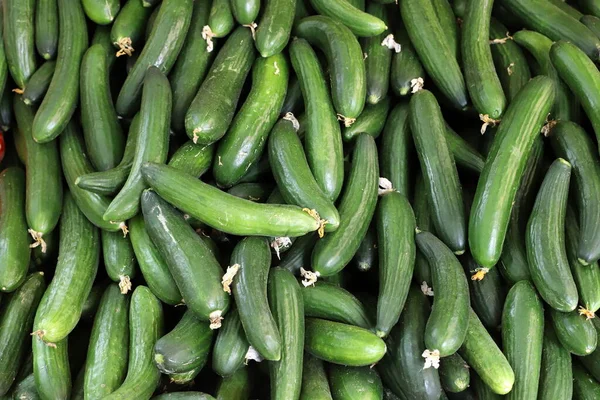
(575,332)
(51,369)
(230,347)
(119,259)
(359,22)
(18,35)
(38,83)
(454,374)
(275,26)
(556,377)
(328,301)
(315,385)
(406,67)
(46,28)
(348,383)
(245,11)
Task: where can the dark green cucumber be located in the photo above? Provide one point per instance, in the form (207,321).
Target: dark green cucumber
(406,67)
(556,377)
(257,192)
(106,363)
(145,327)
(38,83)
(46,28)
(25,389)
(212,110)
(370,121)
(285,300)
(220,20)
(592,361)
(503,170)
(584,386)
(119,259)
(185,377)
(454,374)
(230,347)
(366,255)
(482,390)
(345,60)
(193,266)
(481,78)
(104,139)
(60,100)
(523,317)
(331,302)
(90,306)
(102,37)
(360,23)
(315,385)
(590,7)
(60,308)
(355,383)
(378,58)
(323,138)
(153,267)
(293,102)
(184,396)
(545,240)
(4,72)
(15,324)
(275,26)
(395,229)
(299,253)
(447,19)
(356,209)
(245,11)
(575,332)
(464,154)
(422,272)
(235,387)
(186,347)
(192,158)
(6,113)
(569,9)
(439,170)
(396,148)
(259,171)
(592,23)
(128,28)
(51,369)
(101,12)
(14,240)
(18,35)
(246,138)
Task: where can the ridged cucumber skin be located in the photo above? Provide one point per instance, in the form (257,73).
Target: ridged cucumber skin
(245,140)
(592,23)
(145,327)
(184,348)
(51,369)
(439,170)
(130,23)
(19,43)
(60,100)
(523,317)
(359,22)
(60,308)
(575,332)
(503,169)
(101,12)
(454,374)
(345,59)
(192,158)
(245,11)
(153,267)
(194,268)
(14,239)
(327,301)
(323,138)
(356,209)
(106,363)
(556,378)
(354,383)
(212,110)
(15,324)
(545,240)
(275,26)
(235,387)
(24,389)
(287,306)
(119,258)
(395,149)
(315,384)
(38,83)
(371,121)
(46,28)
(378,59)
(230,347)
(584,386)
(420,204)
(448,22)
(406,66)
(220,19)
(102,37)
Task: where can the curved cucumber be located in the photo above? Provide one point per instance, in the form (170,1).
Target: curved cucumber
(102,37)
(245,11)
(371,121)
(220,20)
(406,67)
(46,28)
(328,301)
(354,383)
(454,374)
(18,35)
(231,346)
(102,12)
(575,332)
(395,148)
(38,84)
(359,22)
(128,28)
(192,158)
(51,369)
(275,26)
(556,378)
(119,259)
(315,385)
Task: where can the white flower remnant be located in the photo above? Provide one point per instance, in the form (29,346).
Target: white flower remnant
(38,241)
(416,84)
(391,44)
(290,117)
(385,186)
(252,27)
(347,121)
(487,121)
(502,40)
(280,243)
(310,278)
(252,354)
(510,68)
(215,319)
(427,291)
(479,274)
(207,34)
(432,359)
(228,277)
(277,71)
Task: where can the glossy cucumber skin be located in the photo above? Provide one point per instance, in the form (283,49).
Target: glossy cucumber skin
(349,383)
(323,138)
(101,12)
(378,59)
(60,308)
(422,271)
(119,258)
(487,295)
(454,374)
(51,369)
(14,239)
(38,83)
(356,208)
(194,268)
(503,169)
(584,386)
(256,192)
(106,363)
(328,301)
(590,7)
(192,158)
(406,66)
(575,332)
(315,385)
(244,142)
(102,37)
(556,377)
(212,110)
(448,22)
(345,59)
(245,11)
(146,326)
(46,28)
(523,317)
(545,240)
(439,170)
(592,23)
(235,387)
(371,120)
(18,35)
(61,98)
(275,26)
(230,347)
(396,148)
(464,154)
(130,23)
(220,19)
(24,389)
(358,21)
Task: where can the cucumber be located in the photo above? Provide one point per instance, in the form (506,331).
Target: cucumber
(556,379)
(16,321)
(25,389)
(323,139)
(328,301)
(220,20)
(245,217)
(422,272)
(185,377)
(441,176)
(481,78)
(153,267)
(244,142)
(592,23)
(60,100)
(571,10)
(366,255)
(504,169)
(106,363)
(359,22)
(293,102)
(426,34)
(60,308)
(160,51)
(102,37)
(194,268)
(185,348)
(6,113)
(257,192)
(592,362)
(378,58)
(90,307)
(575,332)
(245,11)
(145,327)
(584,386)
(14,240)
(129,26)
(285,301)
(119,259)
(345,60)
(51,369)
(464,154)
(591,7)
(370,121)
(46,28)
(315,385)
(406,67)
(184,396)
(299,253)
(356,208)
(38,83)
(523,317)
(102,133)
(395,149)
(482,390)
(192,158)
(447,19)
(545,240)
(395,226)
(454,374)
(235,387)
(101,12)
(348,383)
(259,171)
(231,346)
(18,35)
(275,26)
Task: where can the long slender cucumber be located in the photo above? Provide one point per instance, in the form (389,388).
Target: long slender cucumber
(18,36)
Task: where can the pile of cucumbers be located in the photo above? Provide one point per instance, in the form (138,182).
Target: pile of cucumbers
(299,199)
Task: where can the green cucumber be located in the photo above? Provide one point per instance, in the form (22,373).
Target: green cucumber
(106,363)
(60,100)
(323,139)
(331,302)
(359,22)
(591,7)
(90,306)
(51,369)
(571,10)
(192,158)
(129,26)
(38,83)
(14,240)
(245,11)
(184,396)
(293,102)
(464,154)
(4,71)
(356,208)
(259,171)
(592,361)
(18,35)
(244,142)
(503,170)
(275,26)
(592,23)
(46,28)
(366,255)
(231,346)
(439,170)
(378,58)
(186,347)
(355,383)
(235,387)
(102,37)
(482,390)
(395,148)
(185,377)
(370,121)
(220,20)
(406,67)
(60,308)
(6,113)
(584,386)
(545,240)
(299,253)
(25,389)
(523,317)
(447,19)
(119,259)
(145,327)
(193,266)
(101,12)
(345,60)
(257,192)
(556,378)
(285,301)
(315,385)
(454,374)
(422,272)
(575,332)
